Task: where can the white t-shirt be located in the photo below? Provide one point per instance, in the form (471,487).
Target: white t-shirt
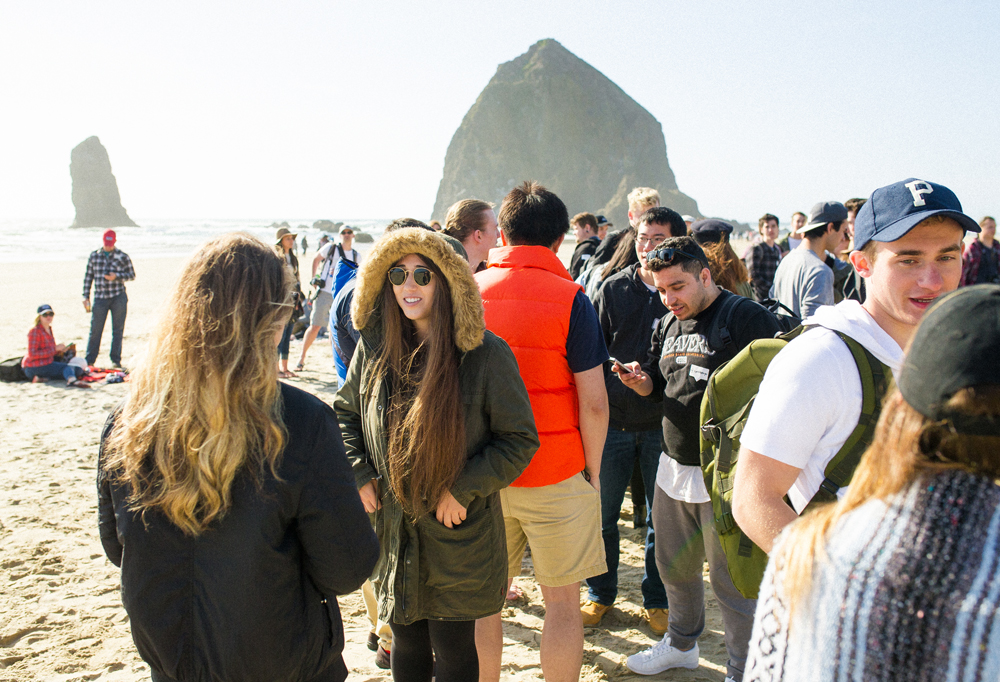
(327,267)
(680,481)
(810,398)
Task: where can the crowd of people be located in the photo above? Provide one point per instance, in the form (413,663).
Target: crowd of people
(492,400)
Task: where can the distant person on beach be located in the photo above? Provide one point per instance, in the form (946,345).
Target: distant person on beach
(473,223)
(980,264)
(686,347)
(225,495)
(108,269)
(554,507)
(909,245)
(629,310)
(305,245)
(898,580)
(763,257)
(584,226)
(603,225)
(804,281)
(324,280)
(285,246)
(40,362)
(436,421)
(435,225)
(794,237)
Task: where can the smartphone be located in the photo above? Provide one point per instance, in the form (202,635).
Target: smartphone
(621,367)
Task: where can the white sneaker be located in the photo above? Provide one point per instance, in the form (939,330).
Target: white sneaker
(662,656)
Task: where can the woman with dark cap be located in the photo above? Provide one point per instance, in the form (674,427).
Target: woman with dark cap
(900,579)
(40,362)
(728,271)
(436,421)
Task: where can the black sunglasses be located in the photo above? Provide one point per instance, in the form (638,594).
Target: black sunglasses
(421,276)
(668,254)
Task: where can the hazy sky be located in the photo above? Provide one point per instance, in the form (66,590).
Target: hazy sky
(345,109)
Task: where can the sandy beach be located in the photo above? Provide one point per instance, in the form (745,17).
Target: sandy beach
(62,614)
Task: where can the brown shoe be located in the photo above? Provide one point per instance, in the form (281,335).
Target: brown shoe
(592,613)
(657,619)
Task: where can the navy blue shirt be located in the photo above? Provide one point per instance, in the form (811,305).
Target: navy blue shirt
(585,347)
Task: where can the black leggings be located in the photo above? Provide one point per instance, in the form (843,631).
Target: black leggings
(415,646)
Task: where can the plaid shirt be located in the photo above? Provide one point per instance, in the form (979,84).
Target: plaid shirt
(41,348)
(104,263)
(972,262)
(762,263)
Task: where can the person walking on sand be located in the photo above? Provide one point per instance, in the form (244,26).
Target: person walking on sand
(305,245)
(324,279)
(108,269)
(225,495)
(40,362)
(284,245)
(436,421)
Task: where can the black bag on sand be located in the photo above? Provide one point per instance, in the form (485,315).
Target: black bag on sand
(10,370)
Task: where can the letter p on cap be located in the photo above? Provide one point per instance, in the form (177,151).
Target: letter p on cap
(917,191)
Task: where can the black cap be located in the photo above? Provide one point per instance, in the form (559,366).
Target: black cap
(956,346)
(710,230)
(45,308)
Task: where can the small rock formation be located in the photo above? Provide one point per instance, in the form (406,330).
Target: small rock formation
(95,190)
(326,225)
(551,117)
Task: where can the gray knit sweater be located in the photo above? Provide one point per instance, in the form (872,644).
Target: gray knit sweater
(909,590)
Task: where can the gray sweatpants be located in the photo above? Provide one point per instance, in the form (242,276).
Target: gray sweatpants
(685,536)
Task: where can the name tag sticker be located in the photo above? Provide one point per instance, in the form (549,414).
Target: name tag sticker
(699,373)
(681,359)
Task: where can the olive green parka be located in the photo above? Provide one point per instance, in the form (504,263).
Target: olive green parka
(425,569)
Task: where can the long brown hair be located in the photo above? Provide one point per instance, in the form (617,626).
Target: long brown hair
(907,446)
(204,402)
(425,421)
(728,271)
(623,256)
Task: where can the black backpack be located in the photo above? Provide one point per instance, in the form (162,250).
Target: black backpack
(11,370)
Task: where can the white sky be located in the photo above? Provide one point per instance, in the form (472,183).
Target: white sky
(345,109)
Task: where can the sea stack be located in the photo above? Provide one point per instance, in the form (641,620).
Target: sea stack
(551,117)
(95,190)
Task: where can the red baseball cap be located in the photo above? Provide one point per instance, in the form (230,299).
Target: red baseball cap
(110,237)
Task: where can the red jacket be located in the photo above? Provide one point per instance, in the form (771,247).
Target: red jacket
(41,348)
(528,296)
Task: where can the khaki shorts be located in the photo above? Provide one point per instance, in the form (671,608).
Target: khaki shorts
(562,524)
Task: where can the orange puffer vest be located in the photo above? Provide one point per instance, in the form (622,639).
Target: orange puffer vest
(528,296)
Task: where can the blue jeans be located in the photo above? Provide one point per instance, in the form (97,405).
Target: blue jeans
(620,452)
(286,340)
(54,370)
(118,307)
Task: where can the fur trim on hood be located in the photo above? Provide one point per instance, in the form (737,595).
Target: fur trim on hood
(466,303)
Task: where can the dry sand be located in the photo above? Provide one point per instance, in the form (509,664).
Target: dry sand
(61,617)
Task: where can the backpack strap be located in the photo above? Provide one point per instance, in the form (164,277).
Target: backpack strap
(874,382)
(726,314)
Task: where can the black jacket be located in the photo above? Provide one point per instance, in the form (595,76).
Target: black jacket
(629,313)
(253,597)
(581,254)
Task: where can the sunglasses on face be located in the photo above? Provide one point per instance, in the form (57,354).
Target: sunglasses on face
(668,255)
(48,314)
(347,234)
(421,276)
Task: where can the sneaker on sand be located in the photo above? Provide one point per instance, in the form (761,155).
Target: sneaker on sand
(662,656)
(592,613)
(658,620)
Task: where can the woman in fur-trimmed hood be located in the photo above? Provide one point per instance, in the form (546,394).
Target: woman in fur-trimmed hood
(436,421)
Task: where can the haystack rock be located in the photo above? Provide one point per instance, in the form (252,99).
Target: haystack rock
(95,190)
(551,117)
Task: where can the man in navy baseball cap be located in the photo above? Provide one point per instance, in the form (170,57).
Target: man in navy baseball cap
(908,248)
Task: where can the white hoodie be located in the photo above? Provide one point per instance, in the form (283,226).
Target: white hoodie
(810,398)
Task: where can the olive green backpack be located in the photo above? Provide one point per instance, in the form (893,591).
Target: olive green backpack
(724,411)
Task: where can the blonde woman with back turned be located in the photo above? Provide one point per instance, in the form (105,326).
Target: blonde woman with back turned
(225,496)
(900,579)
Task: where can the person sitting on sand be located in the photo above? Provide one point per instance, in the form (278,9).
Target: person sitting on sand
(898,579)
(225,495)
(40,362)
(436,421)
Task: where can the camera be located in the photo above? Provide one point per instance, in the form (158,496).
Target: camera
(318,281)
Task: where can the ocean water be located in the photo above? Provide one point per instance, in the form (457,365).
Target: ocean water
(40,240)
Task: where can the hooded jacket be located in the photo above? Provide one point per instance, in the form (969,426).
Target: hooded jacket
(425,569)
(253,597)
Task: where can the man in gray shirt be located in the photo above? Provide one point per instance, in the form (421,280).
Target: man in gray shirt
(803,281)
